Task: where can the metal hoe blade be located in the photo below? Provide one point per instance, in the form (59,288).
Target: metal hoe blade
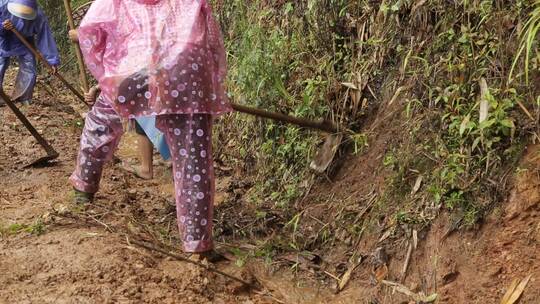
(42,161)
(326,154)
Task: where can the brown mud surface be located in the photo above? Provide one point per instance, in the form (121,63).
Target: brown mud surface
(53,252)
(473,266)
(46,258)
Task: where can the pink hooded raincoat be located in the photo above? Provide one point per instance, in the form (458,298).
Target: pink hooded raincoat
(154,57)
(162,58)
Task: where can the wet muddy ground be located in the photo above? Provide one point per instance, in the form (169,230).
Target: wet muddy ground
(77,257)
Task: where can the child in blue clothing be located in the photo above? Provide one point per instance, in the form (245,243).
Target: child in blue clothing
(26,17)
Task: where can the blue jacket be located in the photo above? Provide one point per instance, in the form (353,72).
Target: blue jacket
(36,31)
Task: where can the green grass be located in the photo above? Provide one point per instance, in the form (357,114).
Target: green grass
(36,228)
(528,35)
(268,65)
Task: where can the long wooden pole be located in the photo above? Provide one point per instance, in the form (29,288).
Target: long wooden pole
(323,125)
(44,143)
(82,73)
(44,61)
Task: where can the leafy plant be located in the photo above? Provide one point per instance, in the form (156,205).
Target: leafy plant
(36,228)
(528,37)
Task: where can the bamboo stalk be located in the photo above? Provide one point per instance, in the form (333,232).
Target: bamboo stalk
(82,73)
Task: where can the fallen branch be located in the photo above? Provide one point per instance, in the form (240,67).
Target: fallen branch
(101,223)
(525,110)
(5,201)
(406,264)
(418,297)
(183,259)
(92,220)
(267,294)
(348,275)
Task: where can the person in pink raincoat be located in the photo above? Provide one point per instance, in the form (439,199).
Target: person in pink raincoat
(162,58)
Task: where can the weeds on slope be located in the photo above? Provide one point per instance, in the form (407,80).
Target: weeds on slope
(432,72)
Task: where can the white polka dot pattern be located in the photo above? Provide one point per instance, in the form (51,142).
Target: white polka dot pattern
(189,137)
(165,58)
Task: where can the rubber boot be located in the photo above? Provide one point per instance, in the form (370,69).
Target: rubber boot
(82,198)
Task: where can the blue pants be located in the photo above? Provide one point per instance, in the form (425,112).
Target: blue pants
(146,126)
(26,78)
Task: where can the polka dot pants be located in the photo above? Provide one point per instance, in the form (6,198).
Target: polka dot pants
(189,137)
(190,140)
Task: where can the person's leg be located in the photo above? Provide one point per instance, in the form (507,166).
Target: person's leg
(146,155)
(190,140)
(26,79)
(101,135)
(4,64)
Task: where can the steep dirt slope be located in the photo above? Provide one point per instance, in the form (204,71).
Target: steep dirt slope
(477,267)
(461,267)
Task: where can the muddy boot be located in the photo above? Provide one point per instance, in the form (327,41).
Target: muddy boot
(82,198)
(211,256)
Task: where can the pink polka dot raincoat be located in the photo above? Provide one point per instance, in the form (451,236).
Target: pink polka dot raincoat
(162,58)
(154,57)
